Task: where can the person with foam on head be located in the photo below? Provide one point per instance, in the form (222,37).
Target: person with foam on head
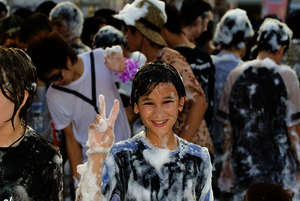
(232,33)
(67,19)
(155,164)
(260,108)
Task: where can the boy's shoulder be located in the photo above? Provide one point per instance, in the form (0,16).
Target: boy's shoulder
(131,144)
(193,149)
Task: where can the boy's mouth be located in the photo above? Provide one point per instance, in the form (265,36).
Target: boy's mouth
(159,123)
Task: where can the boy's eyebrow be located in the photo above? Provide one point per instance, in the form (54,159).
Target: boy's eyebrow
(146,99)
(149,99)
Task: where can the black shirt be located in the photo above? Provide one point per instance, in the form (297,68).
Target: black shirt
(30,171)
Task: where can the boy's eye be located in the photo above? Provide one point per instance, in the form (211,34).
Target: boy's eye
(168,101)
(148,103)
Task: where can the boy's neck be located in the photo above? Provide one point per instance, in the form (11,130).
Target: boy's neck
(163,141)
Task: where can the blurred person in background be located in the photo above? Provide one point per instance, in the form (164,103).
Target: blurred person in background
(260,108)
(67,19)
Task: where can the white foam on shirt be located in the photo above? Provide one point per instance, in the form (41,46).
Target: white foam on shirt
(157,157)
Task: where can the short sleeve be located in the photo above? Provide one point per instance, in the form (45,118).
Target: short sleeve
(59,111)
(293,97)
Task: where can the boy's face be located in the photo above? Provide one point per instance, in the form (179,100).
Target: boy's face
(159,109)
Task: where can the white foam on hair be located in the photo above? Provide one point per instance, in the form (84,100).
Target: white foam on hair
(110,29)
(273,25)
(241,23)
(75,25)
(131,13)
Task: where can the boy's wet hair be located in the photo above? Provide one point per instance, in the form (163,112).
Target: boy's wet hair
(150,75)
(18,75)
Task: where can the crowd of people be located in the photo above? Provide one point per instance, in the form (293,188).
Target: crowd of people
(154,102)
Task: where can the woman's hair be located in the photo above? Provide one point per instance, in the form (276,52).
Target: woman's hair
(18,75)
(150,75)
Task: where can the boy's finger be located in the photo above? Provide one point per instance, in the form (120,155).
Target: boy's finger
(102,106)
(113,113)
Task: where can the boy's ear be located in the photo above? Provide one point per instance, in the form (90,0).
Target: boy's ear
(69,64)
(135,109)
(181,103)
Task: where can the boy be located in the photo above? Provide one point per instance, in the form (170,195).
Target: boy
(155,164)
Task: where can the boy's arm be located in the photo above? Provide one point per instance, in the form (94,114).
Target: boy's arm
(100,140)
(73,150)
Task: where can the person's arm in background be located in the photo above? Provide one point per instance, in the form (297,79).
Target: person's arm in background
(226,176)
(294,135)
(226,179)
(74,151)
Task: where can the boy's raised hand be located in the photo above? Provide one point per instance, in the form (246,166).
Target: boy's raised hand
(101,131)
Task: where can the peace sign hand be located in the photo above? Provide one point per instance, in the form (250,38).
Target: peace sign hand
(101,131)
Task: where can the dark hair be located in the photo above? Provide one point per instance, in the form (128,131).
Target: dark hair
(150,75)
(45,7)
(191,9)
(109,36)
(49,53)
(267,192)
(23,12)
(18,75)
(91,26)
(3,8)
(173,19)
(292,21)
(33,25)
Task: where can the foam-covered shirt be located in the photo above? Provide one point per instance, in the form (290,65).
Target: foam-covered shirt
(134,170)
(31,171)
(261,100)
